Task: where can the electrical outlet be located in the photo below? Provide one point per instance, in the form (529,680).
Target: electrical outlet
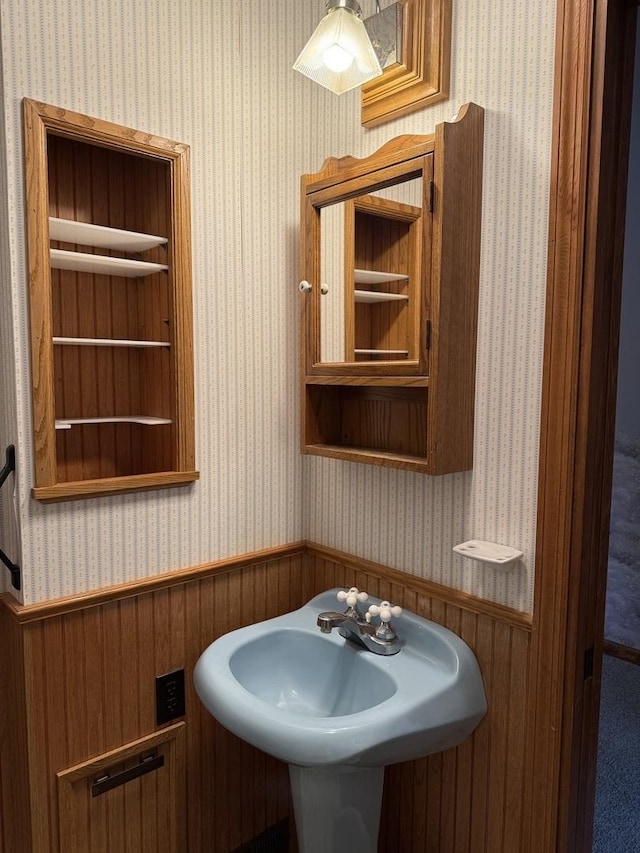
(169,696)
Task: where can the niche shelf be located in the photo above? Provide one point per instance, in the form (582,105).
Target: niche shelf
(111,321)
(101,236)
(67,423)
(101,265)
(107,342)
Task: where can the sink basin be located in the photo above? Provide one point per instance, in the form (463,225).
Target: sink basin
(313,699)
(276,669)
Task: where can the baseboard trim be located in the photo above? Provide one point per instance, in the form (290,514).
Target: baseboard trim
(618,650)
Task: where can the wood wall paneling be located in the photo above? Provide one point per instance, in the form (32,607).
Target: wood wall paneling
(89,688)
(468,798)
(145,813)
(14,776)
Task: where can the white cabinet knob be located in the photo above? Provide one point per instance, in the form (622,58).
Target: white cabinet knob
(304,287)
(324,289)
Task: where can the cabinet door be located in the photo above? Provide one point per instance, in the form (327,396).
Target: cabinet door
(130,800)
(366,254)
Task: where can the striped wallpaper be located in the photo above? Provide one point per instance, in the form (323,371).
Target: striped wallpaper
(503,60)
(218,76)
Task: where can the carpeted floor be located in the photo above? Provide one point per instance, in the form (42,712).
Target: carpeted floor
(617,814)
(622,620)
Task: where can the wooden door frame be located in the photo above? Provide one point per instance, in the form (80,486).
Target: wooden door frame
(595,42)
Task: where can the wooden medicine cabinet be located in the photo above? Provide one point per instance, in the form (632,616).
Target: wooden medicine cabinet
(390,259)
(108,223)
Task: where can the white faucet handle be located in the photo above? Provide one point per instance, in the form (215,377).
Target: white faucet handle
(385,611)
(353,596)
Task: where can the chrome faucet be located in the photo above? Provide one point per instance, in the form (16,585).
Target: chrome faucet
(356,626)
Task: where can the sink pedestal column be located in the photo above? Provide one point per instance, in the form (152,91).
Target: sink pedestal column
(337,808)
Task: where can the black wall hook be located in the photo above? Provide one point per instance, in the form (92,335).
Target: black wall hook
(9,466)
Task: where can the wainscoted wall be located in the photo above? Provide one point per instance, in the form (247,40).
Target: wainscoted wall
(83,678)
(469,798)
(218,76)
(89,687)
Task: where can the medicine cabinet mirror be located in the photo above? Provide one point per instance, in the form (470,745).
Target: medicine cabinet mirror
(370,261)
(366,254)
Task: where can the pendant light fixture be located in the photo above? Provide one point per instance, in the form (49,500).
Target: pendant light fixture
(339,55)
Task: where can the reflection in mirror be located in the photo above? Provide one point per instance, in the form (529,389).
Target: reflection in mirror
(332,262)
(370,262)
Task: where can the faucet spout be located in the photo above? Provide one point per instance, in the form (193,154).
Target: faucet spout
(331,619)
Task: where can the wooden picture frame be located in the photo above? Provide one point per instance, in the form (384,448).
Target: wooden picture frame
(422,78)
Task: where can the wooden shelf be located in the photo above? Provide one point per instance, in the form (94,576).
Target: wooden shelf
(372,381)
(101,236)
(102,265)
(108,342)
(79,489)
(376,277)
(67,423)
(406,461)
(371,296)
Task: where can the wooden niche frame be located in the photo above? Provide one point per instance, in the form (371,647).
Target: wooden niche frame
(422,78)
(157,371)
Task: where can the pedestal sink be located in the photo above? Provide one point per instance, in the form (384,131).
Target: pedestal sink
(337,714)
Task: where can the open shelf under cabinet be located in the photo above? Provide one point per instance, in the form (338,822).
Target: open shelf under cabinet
(350,421)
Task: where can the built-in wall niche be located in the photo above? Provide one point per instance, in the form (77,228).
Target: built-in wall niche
(108,219)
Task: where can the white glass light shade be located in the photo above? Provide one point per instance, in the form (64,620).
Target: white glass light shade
(339,54)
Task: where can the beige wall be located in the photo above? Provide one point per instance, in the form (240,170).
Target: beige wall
(217,75)
(503,60)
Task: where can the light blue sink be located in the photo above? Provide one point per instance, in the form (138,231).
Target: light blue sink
(314,699)
(299,672)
